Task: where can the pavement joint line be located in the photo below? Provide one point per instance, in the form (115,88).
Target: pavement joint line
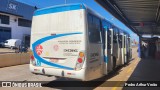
(131,67)
(115,87)
(135,62)
(129,70)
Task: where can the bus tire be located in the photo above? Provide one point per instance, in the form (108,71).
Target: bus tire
(11,47)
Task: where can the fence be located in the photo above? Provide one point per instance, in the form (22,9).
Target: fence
(11,59)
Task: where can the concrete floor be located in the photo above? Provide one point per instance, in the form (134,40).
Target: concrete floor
(136,70)
(146,70)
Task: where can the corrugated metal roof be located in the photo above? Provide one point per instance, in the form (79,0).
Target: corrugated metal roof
(141,16)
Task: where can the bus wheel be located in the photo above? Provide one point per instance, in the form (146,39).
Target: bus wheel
(57,77)
(11,47)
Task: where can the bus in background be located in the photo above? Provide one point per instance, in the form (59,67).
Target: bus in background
(75,42)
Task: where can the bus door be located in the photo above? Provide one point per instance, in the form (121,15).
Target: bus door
(121,49)
(130,48)
(94,48)
(125,49)
(105,56)
(110,49)
(116,49)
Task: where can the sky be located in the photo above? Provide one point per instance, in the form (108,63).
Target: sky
(90,3)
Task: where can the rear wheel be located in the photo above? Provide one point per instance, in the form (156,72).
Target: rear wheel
(11,47)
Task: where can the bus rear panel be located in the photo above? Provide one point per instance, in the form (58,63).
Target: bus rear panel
(58,41)
(75,42)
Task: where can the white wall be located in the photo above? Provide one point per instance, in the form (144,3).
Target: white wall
(17,32)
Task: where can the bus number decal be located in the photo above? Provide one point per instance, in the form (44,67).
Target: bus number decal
(94,57)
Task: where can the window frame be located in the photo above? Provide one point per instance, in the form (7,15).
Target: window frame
(94,32)
(24,22)
(5,19)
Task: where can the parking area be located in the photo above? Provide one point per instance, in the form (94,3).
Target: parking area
(137,70)
(133,71)
(10,57)
(117,40)
(6,50)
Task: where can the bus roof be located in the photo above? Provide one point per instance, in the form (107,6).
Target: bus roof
(59,8)
(69,7)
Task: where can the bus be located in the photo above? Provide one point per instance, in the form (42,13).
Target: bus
(73,41)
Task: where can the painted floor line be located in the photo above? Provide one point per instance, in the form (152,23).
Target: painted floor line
(116,86)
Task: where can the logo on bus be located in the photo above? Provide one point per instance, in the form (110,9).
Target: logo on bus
(70,50)
(55,47)
(39,49)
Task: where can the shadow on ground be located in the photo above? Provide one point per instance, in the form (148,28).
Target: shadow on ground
(146,70)
(62,82)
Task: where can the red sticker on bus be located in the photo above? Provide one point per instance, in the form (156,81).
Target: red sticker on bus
(39,49)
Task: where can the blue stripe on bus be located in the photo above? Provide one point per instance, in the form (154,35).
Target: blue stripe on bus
(105,59)
(55,9)
(41,60)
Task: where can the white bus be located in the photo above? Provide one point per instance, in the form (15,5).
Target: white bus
(75,42)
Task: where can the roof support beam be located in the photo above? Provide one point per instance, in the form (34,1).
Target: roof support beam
(158,13)
(113,8)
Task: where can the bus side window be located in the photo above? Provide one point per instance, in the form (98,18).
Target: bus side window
(103,35)
(109,39)
(124,42)
(120,41)
(115,35)
(94,29)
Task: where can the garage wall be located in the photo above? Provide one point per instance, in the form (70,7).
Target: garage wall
(14,59)
(17,32)
(5,33)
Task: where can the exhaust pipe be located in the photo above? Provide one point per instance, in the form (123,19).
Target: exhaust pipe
(43,71)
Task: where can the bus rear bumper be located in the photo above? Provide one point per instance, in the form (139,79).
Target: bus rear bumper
(58,72)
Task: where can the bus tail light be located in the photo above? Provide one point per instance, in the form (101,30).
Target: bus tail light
(32,59)
(80,61)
